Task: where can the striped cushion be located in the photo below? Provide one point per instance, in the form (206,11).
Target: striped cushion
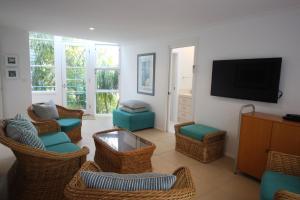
(19,121)
(22,130)
(128,182)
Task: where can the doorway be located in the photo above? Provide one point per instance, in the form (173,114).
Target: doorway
(182,62)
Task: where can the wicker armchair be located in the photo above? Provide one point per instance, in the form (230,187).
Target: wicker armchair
(41,174)
(182,189)
(288,164)
(75,133)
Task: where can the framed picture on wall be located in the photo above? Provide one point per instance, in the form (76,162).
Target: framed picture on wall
(12,73)
(11,60)
(146,73)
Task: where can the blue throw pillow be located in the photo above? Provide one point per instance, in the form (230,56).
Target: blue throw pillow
(128,182)
(22,130)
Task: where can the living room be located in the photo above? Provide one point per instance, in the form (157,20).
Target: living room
(227,30)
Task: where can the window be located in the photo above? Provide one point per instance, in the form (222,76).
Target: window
(75,76)
(42,62)
(107,78)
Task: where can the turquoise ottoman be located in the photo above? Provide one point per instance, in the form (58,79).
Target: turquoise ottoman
(133,121)
(198,141)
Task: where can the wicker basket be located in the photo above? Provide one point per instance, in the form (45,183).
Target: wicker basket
(183,188)
(75,133)
(287,164)
(206,150)
(135,161)
(41,174)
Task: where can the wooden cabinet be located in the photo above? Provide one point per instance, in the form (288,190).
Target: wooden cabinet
(260,133)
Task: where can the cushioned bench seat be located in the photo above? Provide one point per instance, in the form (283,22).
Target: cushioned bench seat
(58,142)
(274,181)
(67,124)
(197,131)
(50,139)
(63,148)
(133,121)
(198,141)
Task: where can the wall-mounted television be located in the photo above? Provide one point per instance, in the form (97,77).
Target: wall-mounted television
(252,79)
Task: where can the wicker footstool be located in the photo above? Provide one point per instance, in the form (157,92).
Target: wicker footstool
(205,145)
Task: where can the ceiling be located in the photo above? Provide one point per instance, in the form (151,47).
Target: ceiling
(129,20)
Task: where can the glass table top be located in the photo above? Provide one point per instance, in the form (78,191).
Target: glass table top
(122,141)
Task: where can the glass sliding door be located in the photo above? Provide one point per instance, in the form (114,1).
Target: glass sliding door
(107,78)
(75,89)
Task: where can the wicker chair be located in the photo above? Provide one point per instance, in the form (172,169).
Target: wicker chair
(206,150)
(182,189)
(41,174)
(287,164)
(75,133)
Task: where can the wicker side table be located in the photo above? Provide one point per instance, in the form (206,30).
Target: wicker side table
(120,151)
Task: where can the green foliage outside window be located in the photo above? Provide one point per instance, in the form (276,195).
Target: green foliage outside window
(107,56)
(42,62)
(76,77)
(43,72)
(106,102)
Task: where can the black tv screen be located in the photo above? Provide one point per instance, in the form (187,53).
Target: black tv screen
(252,79)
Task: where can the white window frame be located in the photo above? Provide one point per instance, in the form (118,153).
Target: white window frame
(106,68)
(50,66)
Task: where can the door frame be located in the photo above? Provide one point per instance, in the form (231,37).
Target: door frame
(181,44)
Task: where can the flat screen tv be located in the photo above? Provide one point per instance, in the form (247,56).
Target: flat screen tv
(252,79)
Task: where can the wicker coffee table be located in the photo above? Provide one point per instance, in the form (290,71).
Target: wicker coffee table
(120,151)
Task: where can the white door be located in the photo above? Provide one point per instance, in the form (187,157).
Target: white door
(74,76)
(181,86)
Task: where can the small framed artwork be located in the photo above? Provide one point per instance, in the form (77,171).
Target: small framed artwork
(11,60)
(146,73)
(12,73)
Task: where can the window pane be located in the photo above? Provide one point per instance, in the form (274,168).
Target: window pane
(107,56)
(76,100)
(107,79)
(41,52)
(42,62)
(43,78)
(106,102)
(76,77)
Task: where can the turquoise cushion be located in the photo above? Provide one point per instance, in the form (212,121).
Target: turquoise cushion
(271,182)
(197,131)
(68,124)
(50,139)
(133,121)
(63,148)
(128,182)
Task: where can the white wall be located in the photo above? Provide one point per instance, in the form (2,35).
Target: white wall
(1,88)
(273,35)
(128,82)
(1,95)
(16,93)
